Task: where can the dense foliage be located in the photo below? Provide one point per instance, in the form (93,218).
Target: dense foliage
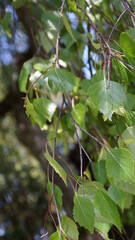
(79,86)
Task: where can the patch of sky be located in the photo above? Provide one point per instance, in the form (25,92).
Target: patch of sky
(18,43)
(9,9)
(2,230)
(21,41)
(73,20)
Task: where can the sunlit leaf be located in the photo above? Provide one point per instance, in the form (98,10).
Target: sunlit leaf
(55,236)
(57,167)
(44,109)
(78,113)
(61,80)
(107,100)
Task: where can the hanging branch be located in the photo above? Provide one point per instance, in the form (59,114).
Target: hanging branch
(102,40)
(58,34)
(128,7)
(80,145)
(54,144)
(116,23)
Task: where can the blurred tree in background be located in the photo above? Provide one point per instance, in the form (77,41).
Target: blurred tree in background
(96,41)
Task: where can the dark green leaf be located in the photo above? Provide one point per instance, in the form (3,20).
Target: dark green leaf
(121,198)
(127,44)
(106,209)
(83,212)
(57,192)
(120,165)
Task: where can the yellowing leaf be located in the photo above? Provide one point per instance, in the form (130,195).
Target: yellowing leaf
(95,45)
(61,172)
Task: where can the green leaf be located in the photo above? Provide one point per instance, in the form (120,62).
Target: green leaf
(100,171)
(107,209)
(23,78)
(68,27)
(44,109)
(18,3)
(30,111)
(40,111)
(43,65)
(128,139)
(6,20)
(121,198)
(131,32)
(127,44)
(120,70)
(61,80)
(78,113)
(55,236)
(120,165)
(46,43)
(69,227)
(57,192)
(95,45)
(107,100)
(103,229)
(61,172)
(130,102)
(83,212)
(126,187)
(129,117)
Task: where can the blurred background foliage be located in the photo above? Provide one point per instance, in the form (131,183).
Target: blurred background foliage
(28,30)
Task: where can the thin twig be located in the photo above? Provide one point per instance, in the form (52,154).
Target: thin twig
(80,145)
(116,24)
(127,64)
(54,143)
(58,35)
(54,153)
(89,49)
(128,7)
(87,155)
